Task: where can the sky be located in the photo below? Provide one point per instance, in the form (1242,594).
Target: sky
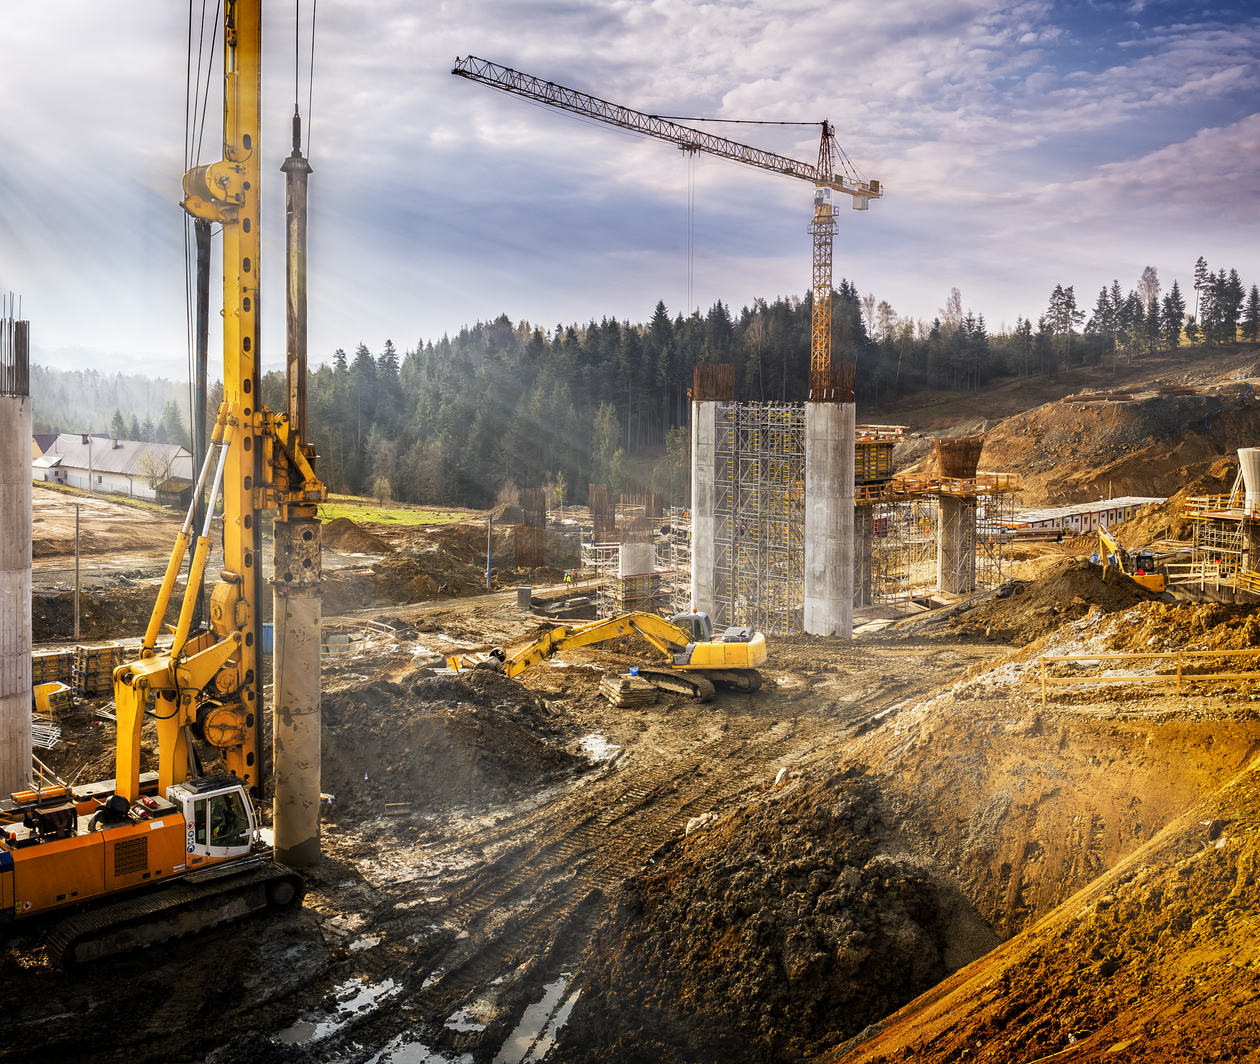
(1020,145)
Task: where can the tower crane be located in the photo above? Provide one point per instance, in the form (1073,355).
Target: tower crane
(822,175)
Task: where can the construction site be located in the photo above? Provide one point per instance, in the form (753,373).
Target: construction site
(921,733)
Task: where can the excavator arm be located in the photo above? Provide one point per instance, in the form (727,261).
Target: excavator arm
(665,637)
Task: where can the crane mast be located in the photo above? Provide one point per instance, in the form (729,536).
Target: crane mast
(822,175)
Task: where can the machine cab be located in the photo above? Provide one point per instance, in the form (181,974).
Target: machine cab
(697,625)
(218,817)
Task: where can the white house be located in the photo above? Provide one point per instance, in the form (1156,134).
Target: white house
(123,467)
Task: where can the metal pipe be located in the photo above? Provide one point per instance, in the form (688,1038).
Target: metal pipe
(201,229)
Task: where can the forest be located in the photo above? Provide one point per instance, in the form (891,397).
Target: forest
(470,419)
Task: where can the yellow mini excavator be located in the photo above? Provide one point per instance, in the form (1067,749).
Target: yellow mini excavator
(1138,566)
(697,663)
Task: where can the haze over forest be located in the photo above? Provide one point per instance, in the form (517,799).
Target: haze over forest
(468,419)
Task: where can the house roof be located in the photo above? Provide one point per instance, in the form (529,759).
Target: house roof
(127,457)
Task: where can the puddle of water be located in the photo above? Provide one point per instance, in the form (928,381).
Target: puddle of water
(432,978)
(366,942)
(464,1021)
(540,1023)
(403,1051)
(354,998)
(597,748)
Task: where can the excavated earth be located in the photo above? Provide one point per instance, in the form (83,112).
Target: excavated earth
(901,848)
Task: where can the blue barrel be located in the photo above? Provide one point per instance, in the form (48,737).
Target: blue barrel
(268,638)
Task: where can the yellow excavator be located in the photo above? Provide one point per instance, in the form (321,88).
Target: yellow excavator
(1138,566)
(697,663)
(151,855)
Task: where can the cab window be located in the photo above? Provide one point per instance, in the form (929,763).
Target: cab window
(200,820)
(228,824)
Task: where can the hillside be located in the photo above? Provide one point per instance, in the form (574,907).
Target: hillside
(1148,430)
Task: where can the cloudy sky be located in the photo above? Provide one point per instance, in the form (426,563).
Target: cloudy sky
(1021,144)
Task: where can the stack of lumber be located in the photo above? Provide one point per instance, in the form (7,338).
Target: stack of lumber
(627,691)
(94,669)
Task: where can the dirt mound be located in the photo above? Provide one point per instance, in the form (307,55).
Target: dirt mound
(1075,451)
(779,930)
(344,535)
(437,742)
(1022,611)
(507,514)
(1155,961)
(414,576)
(104,613)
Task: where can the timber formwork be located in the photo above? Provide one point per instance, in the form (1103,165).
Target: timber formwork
(759,537)
(910,514)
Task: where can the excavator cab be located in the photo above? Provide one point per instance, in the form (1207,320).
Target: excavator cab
(696,624)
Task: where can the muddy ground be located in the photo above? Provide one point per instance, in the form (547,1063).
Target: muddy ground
(763,878)
(895,851)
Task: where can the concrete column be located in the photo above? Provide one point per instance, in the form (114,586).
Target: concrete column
(703,504)
(15,593)
(956,546)
(636,559)
(829,518)
(297,716)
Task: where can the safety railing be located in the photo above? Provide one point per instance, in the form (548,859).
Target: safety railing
(1178,676)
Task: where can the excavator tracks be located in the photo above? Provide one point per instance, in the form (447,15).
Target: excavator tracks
(177,909)
(689,684)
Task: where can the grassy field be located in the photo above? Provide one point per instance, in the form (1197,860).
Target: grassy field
(398,515)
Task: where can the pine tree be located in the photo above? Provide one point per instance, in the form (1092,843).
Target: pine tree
(118,427)
(1172,317)
(1251,315)
(1200,283)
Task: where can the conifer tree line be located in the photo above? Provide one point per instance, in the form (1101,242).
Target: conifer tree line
(467,420)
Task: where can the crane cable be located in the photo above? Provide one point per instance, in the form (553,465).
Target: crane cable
(310,70)
(195,102)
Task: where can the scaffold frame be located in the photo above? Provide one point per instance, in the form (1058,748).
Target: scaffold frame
(759,512)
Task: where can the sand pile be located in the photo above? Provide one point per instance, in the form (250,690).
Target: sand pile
(778,930)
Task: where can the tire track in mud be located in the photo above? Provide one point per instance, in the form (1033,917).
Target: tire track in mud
(545,892)
(549,872)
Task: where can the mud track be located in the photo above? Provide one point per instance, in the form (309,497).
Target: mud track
(500,906)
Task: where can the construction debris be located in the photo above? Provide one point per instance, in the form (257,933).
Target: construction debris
(627,691)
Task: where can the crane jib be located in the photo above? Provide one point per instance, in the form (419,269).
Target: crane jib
(686,137)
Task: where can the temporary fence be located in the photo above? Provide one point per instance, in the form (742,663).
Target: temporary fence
(1179,676)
